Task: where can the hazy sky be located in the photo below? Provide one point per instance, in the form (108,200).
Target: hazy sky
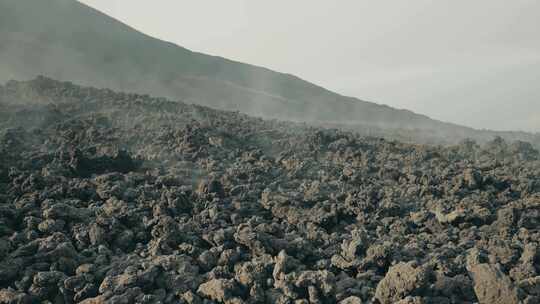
(472,62)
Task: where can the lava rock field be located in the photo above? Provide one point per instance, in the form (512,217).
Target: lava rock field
(110,197)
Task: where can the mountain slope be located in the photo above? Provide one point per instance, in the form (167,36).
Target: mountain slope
(67,40)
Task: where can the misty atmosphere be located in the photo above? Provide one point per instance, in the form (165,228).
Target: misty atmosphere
(269,152)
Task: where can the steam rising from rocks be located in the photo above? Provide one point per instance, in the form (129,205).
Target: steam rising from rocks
(111,197)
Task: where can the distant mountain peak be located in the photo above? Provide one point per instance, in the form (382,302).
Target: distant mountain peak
(68,40)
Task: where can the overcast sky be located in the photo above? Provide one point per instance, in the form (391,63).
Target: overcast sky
(472,62)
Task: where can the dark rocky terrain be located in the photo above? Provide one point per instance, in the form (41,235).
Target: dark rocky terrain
(67,40)
(120,198)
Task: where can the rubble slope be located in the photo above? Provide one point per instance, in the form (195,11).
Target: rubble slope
(110,197)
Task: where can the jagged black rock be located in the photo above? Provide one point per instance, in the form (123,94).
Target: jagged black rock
(120,198)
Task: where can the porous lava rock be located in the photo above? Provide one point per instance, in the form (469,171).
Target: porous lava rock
(109,197)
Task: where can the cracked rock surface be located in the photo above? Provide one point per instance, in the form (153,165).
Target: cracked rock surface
(111,197)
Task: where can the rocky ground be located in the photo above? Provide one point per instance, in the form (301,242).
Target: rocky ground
(119,198)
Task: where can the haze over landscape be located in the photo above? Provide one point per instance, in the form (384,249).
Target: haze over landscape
(136,168)
(88,47)
(475,63)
